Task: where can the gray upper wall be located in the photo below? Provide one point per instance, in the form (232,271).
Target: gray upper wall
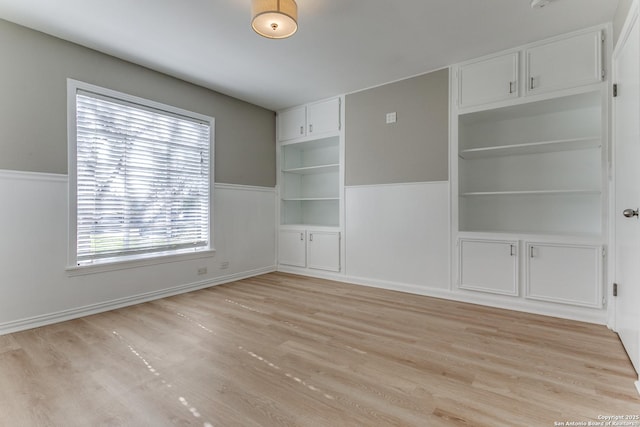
(415,148)
(33,107)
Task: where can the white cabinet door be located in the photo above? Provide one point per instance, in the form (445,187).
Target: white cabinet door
(292,123)
(489,266)
(488,80)
(323,117)
(569,274)
(292,248)
(563,64)
(323,249)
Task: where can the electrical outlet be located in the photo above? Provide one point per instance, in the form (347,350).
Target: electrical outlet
(224,265)
(202,271)
(392,118)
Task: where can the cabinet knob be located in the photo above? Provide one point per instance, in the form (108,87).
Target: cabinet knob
(310,128)
(512,251)
(630,213)
(510,87)
(311,237)
(301,130)
(531,83)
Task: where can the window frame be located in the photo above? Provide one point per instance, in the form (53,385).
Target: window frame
(138,260)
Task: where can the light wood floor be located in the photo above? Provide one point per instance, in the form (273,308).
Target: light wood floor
(281,350)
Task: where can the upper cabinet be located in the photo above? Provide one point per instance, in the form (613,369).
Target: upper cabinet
(292,123)
(545,67)
(488,80)
(323,117)
(318,119)
(566,63)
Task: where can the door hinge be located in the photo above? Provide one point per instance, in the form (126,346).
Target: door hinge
(603,74)
(615,289)
(604,252)
(615,90)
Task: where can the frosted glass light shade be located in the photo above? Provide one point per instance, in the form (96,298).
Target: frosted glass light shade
(274,19)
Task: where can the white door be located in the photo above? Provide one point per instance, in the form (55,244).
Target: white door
(292,123)
(489,266)
(569,274)
(324,250)
(488,80)
(627,192)
(571,62)
(292,248)
(323,117)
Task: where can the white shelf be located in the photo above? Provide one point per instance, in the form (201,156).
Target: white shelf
(311,170)
(308,199)
(531,193)
(532,148)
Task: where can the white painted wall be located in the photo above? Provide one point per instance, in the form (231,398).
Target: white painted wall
(397,235)
(35,289)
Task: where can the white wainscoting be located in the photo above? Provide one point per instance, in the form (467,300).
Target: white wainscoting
(397,236)
(35,289)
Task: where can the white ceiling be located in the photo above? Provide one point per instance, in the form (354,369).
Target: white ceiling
(341,45)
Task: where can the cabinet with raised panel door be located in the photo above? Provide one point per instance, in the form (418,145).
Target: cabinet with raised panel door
(489,266)
(488,80)
(292,248)
(553,271)
(313,120)
(566,63)
(557,64)
(569,274)
(314,249)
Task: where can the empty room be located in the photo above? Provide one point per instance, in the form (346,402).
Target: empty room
(319,213)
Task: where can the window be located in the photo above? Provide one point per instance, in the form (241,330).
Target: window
(139,177)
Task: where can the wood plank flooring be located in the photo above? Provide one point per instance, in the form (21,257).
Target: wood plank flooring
(284,350)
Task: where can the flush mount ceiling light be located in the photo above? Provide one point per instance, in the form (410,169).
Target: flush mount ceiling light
(274,19)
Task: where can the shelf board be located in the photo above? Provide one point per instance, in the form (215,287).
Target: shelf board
(530,234)
(316,225)
(311,170)
(308,199)
(531,193)
(532,148)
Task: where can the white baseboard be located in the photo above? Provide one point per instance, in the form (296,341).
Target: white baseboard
(561,311)
(74,313)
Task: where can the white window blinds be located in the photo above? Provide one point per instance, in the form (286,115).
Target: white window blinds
(142,180)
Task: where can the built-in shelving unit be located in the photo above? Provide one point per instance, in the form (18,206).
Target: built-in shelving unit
(310,184)
(529,168)
(532,168)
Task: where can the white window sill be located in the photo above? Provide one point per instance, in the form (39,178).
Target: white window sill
(148,260)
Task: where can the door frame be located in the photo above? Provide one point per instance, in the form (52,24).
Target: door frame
(631,19)
(632,16)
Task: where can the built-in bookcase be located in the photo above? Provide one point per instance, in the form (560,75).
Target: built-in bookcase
(311,182)
(533,168)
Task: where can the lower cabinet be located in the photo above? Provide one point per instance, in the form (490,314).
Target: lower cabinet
(323,250)
(554,272)
(489,266)
(313,249)
(292,248)
(569,274)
